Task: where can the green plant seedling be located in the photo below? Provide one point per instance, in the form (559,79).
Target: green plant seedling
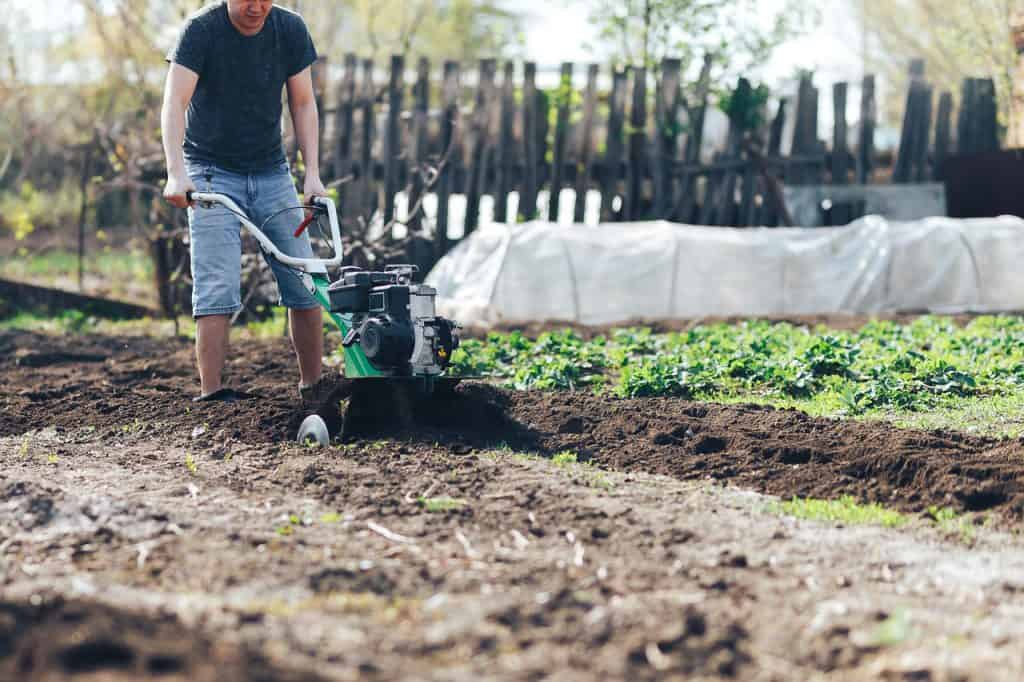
(440,504)
(564,458)
(894,630)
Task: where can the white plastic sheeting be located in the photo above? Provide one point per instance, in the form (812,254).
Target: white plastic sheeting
(656,270)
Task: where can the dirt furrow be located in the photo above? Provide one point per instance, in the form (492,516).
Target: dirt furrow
(331,563)
(140,388)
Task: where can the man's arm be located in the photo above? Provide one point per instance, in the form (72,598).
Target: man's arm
(306,119)
(178,91)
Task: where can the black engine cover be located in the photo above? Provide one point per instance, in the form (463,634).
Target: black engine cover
(387,341)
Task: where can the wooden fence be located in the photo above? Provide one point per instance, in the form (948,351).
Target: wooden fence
(631,143)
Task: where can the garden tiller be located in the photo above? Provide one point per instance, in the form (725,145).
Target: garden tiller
(396,347)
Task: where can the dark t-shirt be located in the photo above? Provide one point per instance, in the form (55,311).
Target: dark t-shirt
(234,118)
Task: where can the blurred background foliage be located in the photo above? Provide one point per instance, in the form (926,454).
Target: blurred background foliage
(80,96)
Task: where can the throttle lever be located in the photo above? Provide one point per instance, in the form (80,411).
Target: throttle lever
(305,223)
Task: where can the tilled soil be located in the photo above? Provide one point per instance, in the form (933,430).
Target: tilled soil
(142,386)
(144,536)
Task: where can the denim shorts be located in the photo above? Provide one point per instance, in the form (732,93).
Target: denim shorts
(216,243)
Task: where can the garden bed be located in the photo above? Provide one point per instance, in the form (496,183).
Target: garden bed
(512,534)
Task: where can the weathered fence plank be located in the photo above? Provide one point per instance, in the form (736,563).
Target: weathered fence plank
(840,153)
(633,201)
(666,135)
(563,99)
(341,164)
(805,133)
(866,139)
(531,183)
(367,198)
(943,126)
(504,154)
(612,166)
(584,165)
(477,171)
(903,171)
(449,131)
(922,135)
(420,143)
(393,137)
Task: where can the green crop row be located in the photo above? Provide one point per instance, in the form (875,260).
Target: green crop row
(927,364)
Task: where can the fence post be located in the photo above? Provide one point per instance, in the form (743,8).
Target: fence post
(341,164)
(504,153)
(528,196)
(866,140)
(633,202)
(611,170)
(666,136)
(904,168)
(805,132)
(987,116)
(562,101)
(584,169)
(922,134)
(421,97)
(449,131)
(477,171)
(368,199)
(393,136)
(840,154)
(943,125)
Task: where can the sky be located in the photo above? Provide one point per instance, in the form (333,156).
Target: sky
(559,31)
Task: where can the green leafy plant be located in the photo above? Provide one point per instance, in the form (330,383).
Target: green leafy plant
(882,369)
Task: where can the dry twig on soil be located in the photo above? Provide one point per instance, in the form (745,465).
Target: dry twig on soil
(390,535)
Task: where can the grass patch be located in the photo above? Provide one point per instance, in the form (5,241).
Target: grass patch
(564,458)
(434,505)
(844,510)
(53,266)
(1000,416)
(894,630)
(76,322)
(952,523)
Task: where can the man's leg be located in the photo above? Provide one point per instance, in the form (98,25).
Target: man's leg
(216,250)
(307,327)
(211,350)
(275,194)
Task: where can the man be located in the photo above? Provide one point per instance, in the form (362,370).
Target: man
(221,122)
